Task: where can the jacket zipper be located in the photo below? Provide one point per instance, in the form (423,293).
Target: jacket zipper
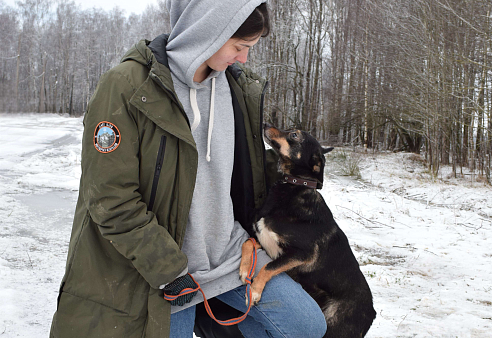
(261,133)
(262,100)
(157,172)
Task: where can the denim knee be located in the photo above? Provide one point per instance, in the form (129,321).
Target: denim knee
(311,319)
(317,323)
(320,328)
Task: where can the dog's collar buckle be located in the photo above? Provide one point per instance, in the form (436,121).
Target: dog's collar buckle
(302,182)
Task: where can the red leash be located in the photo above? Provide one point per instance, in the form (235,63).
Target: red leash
(232,321)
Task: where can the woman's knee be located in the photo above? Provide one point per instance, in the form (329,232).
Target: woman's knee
(305,307)
(320,327)
(296,312)
(313,320)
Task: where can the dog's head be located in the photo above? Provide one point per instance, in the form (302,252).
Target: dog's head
(300,153)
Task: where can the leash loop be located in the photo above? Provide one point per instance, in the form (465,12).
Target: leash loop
(248,279)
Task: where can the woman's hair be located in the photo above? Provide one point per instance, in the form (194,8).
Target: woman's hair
(257,24)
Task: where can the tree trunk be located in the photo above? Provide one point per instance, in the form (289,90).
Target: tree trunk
(16,109)
(42,108)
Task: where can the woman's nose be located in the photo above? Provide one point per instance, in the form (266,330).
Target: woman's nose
(242,57)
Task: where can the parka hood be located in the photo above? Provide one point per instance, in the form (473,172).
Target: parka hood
(199,28)
(151,54)
(139,53)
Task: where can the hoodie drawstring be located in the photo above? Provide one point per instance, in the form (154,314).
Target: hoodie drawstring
(197,116)
(211,120)
(194,106)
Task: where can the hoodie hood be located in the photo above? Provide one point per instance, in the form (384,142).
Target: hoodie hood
(199,28)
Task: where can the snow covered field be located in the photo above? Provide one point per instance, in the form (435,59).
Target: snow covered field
(424,245)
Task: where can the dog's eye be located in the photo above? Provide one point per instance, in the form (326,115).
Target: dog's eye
(294,136)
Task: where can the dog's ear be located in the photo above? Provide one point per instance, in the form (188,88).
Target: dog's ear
(327,150)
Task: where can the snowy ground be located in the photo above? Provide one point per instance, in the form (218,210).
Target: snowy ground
(423,244)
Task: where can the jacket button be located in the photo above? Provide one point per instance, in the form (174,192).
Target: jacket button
(254,136)
(144,99)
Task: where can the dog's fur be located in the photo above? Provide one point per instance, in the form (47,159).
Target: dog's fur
(297,230)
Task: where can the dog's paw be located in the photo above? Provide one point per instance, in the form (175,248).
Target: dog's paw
(244,268)
(243,274)
(255,296)
(245,264)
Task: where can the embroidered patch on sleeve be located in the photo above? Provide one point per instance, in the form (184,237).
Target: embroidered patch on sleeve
(106,137)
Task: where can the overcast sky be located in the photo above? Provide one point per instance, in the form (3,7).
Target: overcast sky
(135,6)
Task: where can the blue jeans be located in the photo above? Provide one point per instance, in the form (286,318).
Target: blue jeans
(285,310)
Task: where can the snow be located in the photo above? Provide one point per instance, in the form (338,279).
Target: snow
(423,243)
(39,173)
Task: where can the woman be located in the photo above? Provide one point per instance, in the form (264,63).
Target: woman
(172,142)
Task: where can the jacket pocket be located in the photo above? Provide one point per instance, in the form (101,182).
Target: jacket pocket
(157,171)
(99,273)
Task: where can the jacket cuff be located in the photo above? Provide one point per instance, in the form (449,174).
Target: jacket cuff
(184,272)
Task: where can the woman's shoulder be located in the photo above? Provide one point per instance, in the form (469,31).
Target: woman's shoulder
(130,73)
(245,76)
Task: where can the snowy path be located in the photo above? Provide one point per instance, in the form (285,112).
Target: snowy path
(39,171)
(424,246)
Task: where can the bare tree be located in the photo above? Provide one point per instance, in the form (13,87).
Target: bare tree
(386,74)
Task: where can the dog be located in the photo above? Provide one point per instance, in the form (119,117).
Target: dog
(297,230)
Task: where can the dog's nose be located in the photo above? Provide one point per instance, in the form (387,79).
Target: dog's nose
(267,125)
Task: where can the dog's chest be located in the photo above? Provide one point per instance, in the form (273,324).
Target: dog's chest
(269,240)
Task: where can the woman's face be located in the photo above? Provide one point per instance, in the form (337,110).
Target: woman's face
(233,50)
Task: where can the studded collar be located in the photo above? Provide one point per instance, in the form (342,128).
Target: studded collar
(313,184)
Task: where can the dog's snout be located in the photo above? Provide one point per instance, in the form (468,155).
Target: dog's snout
(269,130)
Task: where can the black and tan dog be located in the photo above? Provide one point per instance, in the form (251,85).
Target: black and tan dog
(297,230)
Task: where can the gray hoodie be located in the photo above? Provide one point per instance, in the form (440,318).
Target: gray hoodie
(213,239)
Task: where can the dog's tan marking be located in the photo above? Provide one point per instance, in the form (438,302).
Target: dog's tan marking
(284,146)
(272,132)
(285,167)
(309,265)
(299,154)
(269,240)
(317,166)
(264,276)
(274,135)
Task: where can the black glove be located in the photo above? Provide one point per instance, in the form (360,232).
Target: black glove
(177,285)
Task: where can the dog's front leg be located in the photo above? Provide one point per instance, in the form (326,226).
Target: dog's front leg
(267,272)
(245,264)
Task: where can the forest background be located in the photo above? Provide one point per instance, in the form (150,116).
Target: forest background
(394,75)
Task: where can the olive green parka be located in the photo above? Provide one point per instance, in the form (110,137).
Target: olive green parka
(135,196)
